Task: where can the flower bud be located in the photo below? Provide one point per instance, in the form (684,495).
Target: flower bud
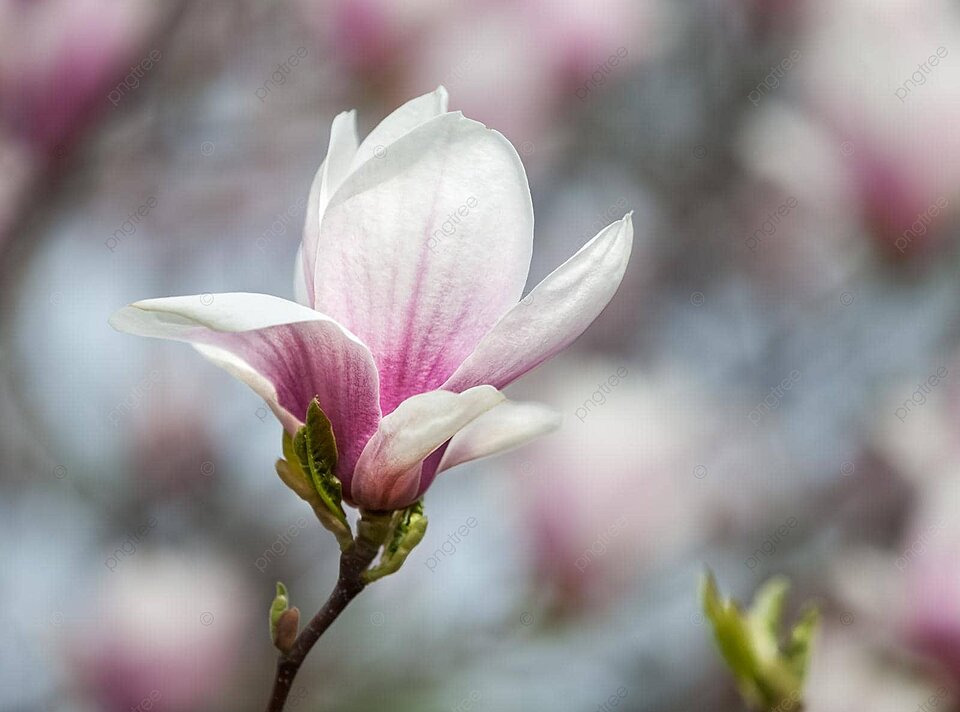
(770,676)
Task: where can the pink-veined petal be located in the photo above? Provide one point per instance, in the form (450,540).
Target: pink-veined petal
(553,315)
(286,352)
(388,472)
(425,248)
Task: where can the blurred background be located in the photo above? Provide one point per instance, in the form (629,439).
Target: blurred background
(781,364)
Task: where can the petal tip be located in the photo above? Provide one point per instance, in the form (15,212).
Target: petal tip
(117,318)
(488,393)
(126,319)
(622,239)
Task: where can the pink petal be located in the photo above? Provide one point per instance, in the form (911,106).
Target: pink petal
(287,353)
(388,472)
(425,248)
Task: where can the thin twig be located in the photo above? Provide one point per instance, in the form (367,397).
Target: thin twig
(353,562)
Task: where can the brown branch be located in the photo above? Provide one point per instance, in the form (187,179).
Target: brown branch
(353,562)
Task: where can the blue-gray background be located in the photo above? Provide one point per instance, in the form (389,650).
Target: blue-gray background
(783,352)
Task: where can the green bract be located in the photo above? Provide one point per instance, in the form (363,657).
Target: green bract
(309,467)
(407,529)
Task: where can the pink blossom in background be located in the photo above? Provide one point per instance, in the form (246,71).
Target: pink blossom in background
(908,598)
(168,628)
(928,559)
(616,491)
(848,672)
(519,65)
(885,79)
(59,59)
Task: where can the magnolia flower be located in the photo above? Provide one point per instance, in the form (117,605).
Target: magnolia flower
(848,671)
(166,634)
(60,59)
(414,256)
(881,77)
(603,501)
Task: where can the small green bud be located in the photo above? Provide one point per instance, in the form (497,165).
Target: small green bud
(280,605)
(768,674)
(408,527)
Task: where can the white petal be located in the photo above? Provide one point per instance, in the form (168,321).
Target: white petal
(340,154)
(399,123)
(553,315)
(172,317)
(388,472)
(300,293)
(503,428)
(335,167)
(424,249)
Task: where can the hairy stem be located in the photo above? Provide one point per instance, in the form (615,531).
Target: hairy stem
(353,562)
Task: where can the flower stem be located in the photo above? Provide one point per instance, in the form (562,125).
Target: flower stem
(353,562)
